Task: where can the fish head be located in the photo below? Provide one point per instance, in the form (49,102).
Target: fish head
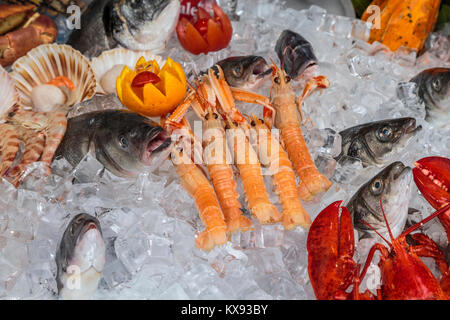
(374,143)
(434,90)
(434,86)
(391,189)
(245,72)
(128,142)
(141,24)
(295,53)
(81,248)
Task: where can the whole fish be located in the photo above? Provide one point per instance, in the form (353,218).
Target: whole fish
(245,72)
(80,258)
(124,142)
(296,54)
(433,88)
(374,142)
(393,186)
(133,24)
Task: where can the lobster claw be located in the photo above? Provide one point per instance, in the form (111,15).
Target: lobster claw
(432,177)
(331,243)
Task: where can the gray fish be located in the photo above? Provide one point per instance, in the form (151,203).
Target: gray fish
(374,142)
(133,24)
(295,53)
(124,142)
(245,72)
(433,88)
(392,185)
(80,258)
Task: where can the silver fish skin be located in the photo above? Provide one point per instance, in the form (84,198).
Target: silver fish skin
(296,54)
(375,142)
(392,185)
(245,72)
(124,142)
(133,24)
(433,88)
(80,258)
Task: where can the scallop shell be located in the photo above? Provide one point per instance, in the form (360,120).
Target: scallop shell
(108,59)
(8,92)
(49,61)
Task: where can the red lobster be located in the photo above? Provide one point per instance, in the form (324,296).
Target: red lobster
(331,247)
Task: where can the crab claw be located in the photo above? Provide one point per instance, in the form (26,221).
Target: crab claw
(331,246)
(432,177)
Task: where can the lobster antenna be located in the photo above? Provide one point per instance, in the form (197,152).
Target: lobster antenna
(373,229)
(385,219)
(421,223)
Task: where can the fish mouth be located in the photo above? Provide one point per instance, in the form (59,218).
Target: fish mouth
(399,170)
(157,143)
(88,226)
(410,126)
(260,72)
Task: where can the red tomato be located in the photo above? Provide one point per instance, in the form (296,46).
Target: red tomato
(145,77)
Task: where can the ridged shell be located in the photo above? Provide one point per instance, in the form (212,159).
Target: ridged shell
(108,59)
(8,92)
(49,61)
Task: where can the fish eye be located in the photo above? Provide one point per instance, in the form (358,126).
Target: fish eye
(376,187)
(237,71)
(436,84)
(216,116)
(287,79)
(123,142)
(384,134)
(207,116)
(253,123)
(277,80)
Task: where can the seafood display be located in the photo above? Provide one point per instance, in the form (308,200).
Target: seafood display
(122,141)
(137,162)
(433,88)
(375,142)
(22,29)
(136,25)
(81,254)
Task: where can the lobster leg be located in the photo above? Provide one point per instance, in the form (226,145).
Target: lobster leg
(425,247)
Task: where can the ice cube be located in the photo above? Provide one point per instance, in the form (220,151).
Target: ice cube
(281,286)
(133,249)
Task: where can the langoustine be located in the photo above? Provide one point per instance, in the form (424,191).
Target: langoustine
(197,185)
(283,174)
(288,121)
